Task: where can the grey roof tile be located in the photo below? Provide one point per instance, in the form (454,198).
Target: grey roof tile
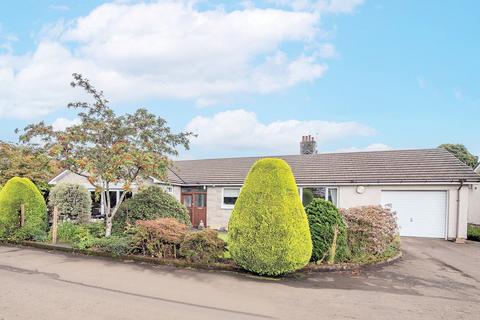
(395,166)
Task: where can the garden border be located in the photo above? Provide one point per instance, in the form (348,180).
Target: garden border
(220,266)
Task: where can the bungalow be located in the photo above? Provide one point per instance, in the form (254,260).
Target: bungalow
(474,203)
(429,188)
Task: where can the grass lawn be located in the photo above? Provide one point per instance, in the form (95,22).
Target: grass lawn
(224,237)
(473,232)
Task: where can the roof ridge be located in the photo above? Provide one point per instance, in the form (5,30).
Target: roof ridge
(313,155)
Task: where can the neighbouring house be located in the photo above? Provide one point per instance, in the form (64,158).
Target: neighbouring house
(429,188)
(474,204)
(116,190)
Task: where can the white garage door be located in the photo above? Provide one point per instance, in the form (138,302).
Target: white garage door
(420,213)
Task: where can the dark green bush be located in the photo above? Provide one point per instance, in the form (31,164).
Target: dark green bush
(324,219)
(202,247)
(72,200)
(18,191)
(149,204)
(159,238)
(268,230)
(116,245)
(473,232)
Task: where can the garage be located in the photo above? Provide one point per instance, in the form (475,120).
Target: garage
(420,213)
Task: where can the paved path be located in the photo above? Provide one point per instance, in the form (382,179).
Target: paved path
(435,280)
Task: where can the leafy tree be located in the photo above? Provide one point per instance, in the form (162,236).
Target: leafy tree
(72,200)
(26,161)
(107,148)
(268,231)
(462,153)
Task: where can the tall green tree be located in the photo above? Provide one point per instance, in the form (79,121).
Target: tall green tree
(462,153)
(28,162)
(107,148)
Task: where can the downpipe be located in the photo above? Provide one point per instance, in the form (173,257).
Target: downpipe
(457,238)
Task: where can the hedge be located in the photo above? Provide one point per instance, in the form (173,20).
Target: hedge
(268,228)
(150,204)
(324,219)
(18,191)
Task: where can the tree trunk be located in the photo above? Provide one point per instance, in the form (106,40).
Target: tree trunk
(108,225)
(111,214)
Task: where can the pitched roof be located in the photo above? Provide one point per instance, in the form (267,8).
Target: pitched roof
(394,166)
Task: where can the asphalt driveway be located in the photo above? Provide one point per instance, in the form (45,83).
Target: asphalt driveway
(435,279)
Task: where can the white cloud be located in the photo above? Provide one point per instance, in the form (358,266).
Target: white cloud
(371,147)
(240,130)
(331,6)
(327,50)
(63,123)
(169,49)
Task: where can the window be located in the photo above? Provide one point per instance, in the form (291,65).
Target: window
(96,204)
(187,200)
(200,200)
(168,189)
(230,196)
(308,193)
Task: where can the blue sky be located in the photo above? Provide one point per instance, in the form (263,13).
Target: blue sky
(251,78)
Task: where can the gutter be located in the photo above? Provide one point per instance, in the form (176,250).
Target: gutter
(457,238)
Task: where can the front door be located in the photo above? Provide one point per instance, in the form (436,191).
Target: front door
(196,204)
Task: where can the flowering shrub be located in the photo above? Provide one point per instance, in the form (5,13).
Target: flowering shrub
(204,246)
(159,238)
(371,229)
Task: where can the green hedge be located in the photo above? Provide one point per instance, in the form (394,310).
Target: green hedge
(18,191)
(324,218)
(150,204)
(268,228)
(473,232)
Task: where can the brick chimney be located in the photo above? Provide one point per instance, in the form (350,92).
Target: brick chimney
(308,145)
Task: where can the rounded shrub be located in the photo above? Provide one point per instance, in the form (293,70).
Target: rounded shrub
(268,228)
(327,225)
(150,204)
(18,191)
(72,200)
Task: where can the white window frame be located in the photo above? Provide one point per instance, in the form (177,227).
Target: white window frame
(326,192)
(169,189)
(228,206)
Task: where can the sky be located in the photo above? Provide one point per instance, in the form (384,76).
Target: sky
(251,77)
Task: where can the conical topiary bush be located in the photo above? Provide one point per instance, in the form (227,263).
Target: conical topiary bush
(268,230)
(18,191)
